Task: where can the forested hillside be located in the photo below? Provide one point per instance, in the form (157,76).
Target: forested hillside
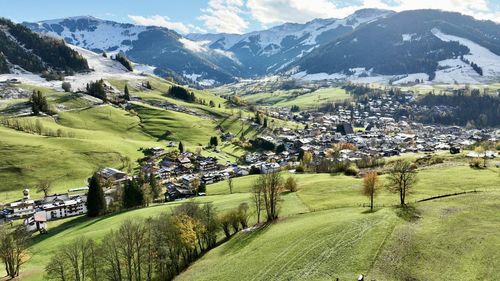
(403,43)
(34,53)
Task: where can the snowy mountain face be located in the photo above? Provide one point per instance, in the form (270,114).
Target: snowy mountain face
(427,46)
(91,33)
(166,51)
(268,51)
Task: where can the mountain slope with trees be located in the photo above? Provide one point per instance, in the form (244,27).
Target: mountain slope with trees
(404,43)
(22,48)
(170,53)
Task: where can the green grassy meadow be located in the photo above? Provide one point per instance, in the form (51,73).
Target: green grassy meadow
(104,135)
(289,98)
(324,232)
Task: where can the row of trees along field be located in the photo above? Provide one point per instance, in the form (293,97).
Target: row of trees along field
(154,249)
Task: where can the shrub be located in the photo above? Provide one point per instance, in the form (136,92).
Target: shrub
(66,86)
(291,184)
(300,169)
(351,170)
(476,163)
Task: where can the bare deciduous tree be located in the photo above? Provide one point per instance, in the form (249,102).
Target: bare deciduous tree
(257,191)
(230,184)
(44,186)
(402,178)
(270,186)
(13,247)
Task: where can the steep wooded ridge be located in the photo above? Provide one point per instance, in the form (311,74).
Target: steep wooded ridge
(23,50)
(408,42)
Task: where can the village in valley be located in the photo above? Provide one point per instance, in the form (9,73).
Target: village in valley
(249,140)
(359,134)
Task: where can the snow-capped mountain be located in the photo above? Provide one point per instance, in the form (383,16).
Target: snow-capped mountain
(370,45)
(265,52)
(423,45)
(167,51)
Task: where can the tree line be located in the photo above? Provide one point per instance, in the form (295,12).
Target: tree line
(153,249)
(123,60)
(35,127)
(181,93)
(468,108)
(97,90)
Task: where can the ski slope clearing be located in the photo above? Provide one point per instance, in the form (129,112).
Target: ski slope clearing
(460,71)
(101,68)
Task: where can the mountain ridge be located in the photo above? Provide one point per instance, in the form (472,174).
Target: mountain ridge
(371,42)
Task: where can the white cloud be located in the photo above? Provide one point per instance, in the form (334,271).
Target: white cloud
(164,22)
(224,16)
(269,12)
(197,47)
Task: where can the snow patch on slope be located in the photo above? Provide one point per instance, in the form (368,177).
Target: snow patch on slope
(102,68)
(106,36)
(487,60)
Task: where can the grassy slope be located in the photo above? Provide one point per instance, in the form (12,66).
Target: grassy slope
(323,191)
(103,136)
(313,245)
(455,239)
(288,98)
(317,245)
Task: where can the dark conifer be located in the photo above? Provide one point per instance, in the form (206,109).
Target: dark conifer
(96,203)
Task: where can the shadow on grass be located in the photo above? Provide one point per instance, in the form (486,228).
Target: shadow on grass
(80,222)
(241,240)
(371,211)
(408,213)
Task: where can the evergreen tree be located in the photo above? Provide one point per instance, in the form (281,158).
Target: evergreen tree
(39,103)
(155,187)
(214,142)
(133,195)
(181,147)
(126,95)
(265,123)
(96,203)
(181,93)
(96,89)
(124,61)
(258,119)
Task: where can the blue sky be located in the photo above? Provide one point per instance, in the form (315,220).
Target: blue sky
(234,16)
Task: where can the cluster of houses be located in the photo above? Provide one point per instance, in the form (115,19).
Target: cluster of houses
(56,206)
(37,212)
(375,126)
(184,173)
(370,128)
